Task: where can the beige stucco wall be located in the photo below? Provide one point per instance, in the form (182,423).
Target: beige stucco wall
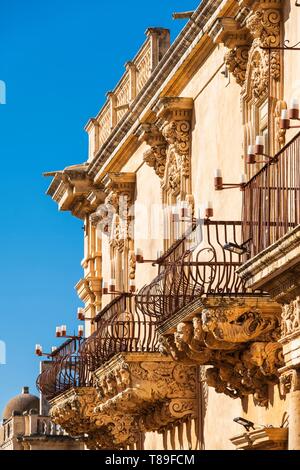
(291,58)
(217,124)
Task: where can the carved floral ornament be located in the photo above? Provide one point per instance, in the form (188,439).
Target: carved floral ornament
(169,140)
(131,395)
(246,59)
(114,216)
(242,347)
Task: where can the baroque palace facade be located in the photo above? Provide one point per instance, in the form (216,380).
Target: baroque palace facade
(191,211)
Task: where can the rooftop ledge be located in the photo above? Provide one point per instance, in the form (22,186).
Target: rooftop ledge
(276,270)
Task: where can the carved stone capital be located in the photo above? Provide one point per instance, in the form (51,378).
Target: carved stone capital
(120,188)
(175,115)
(291,320)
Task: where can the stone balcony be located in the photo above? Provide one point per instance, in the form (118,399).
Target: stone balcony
(131,394)
(207,316)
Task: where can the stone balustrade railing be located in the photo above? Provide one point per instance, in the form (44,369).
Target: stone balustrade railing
(137,74)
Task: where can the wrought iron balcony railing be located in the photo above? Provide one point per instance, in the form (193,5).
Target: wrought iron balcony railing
(272,199)
(66,370)
(120,328)
(202,267)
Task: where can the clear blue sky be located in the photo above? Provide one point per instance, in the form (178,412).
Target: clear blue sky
(58,59)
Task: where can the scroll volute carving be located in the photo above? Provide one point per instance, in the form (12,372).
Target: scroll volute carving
(236,40)
(264,26)
(116,213)
(175,123)
(136,397)
(243,348)
(156,156)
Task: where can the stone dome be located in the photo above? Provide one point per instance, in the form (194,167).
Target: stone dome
(20,404)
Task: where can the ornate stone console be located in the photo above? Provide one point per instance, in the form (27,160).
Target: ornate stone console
(74,190)
(276,269)
(238,337)
(132,394)
(169,139)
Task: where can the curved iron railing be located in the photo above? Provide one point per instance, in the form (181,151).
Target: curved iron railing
(205,268)
(66,370)
(120,328)
(271,205)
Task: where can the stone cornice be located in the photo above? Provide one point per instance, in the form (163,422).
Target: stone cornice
(74,190)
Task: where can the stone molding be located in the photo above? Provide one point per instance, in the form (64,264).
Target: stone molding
(191,35)
(262,439)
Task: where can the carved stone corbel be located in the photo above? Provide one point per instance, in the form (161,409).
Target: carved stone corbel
(241,344)
(156,156)
(229,32)
(139,393)
(73,410)
(236,60)
(174,122)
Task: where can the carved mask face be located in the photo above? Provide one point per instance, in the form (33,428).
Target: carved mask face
(184,334)
(198,330)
